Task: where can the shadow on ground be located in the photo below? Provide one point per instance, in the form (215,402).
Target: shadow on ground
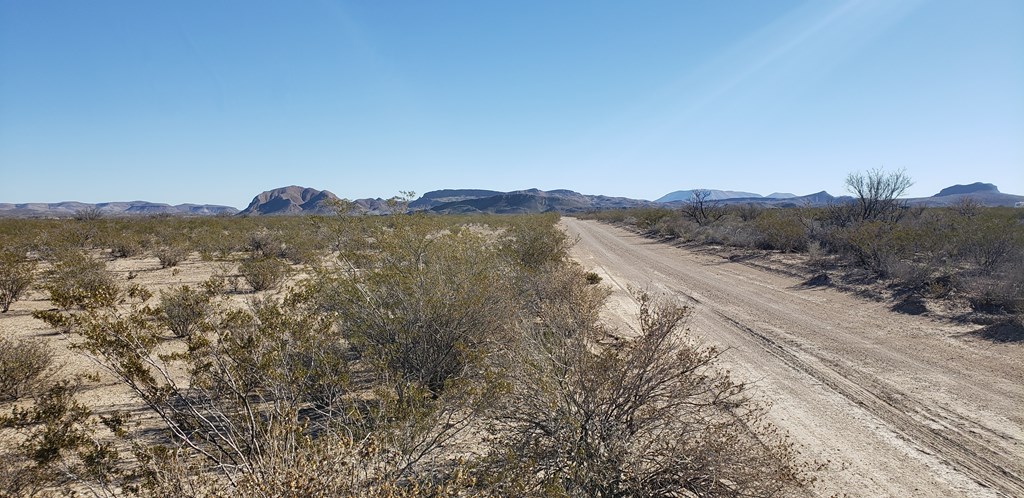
(910,304)
(819,280)
(1010,331)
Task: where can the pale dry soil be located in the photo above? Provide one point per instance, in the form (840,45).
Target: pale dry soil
(896,404)
(106,395)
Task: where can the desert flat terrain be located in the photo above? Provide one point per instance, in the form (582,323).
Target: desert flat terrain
(896,404)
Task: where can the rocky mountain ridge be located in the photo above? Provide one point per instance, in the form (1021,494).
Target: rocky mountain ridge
(296,200)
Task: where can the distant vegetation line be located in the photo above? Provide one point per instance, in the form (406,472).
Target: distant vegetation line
(963,251)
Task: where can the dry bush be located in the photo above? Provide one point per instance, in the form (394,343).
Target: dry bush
(876,195)
(426,304)
(267,389)
(24,367)
(125,247)
(655,418)
(701,209)
(264,273)
(16,275)
(54,445)
(184,310)
(170,256)
(78,281)
(782,230)
(535,241)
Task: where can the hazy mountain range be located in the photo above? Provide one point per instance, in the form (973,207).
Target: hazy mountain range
(68,209)
(294,200)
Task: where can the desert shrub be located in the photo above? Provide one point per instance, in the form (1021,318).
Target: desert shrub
(652,419)
(24,367)
(90,213)
(267,407)
(748,212)
(782,230)
(880,246)
(648,218)
(170,256)
(990,240)
(264,273)
(1002,293)
(78,281)
(57,445)
(428,303)
(16,275)
(264,243)
(125,247)
(535,241)
(184,310)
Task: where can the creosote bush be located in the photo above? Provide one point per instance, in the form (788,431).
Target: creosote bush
(263,273)
(77,281)
(16,275)
(654,418)
(170,256)
(184,310)
(24,367)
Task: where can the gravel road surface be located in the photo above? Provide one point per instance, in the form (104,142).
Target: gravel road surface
(897,404)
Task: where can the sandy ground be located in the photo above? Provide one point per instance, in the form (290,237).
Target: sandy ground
(898,405)
(106,394)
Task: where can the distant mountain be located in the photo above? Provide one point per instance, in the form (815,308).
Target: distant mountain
(69,209)
(295,200)
(716,195)
(438,197)
(974,188)
(303,200)
(529,201)
(292,200)
(985,194)
(816,199)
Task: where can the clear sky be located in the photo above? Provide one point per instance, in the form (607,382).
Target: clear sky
(214,101)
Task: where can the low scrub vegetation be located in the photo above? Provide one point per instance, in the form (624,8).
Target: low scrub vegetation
(415,356)
(965,251)
(16,275)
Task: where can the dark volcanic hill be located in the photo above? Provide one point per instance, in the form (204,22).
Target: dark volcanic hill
(295,200)
(292,200)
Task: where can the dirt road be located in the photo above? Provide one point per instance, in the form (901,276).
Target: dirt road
(899,405)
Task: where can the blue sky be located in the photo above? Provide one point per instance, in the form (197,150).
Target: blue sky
(213,101)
